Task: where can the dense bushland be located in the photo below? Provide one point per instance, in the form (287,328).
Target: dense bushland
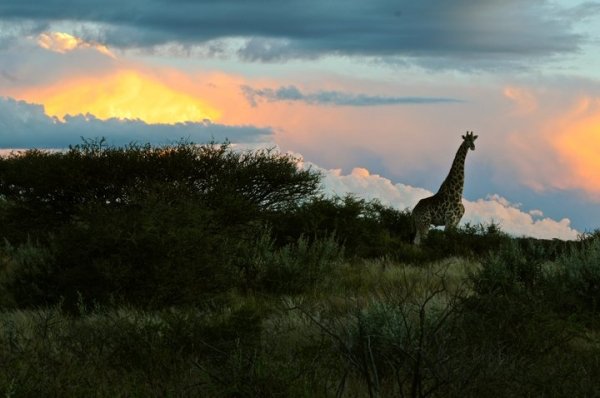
(192,270)
(156,226)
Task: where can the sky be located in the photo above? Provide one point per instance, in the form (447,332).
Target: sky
(373,94)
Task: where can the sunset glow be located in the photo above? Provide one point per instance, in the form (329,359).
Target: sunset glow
(579,145)
(125,95)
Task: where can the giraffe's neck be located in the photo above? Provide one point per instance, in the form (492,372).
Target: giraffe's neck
(453,184)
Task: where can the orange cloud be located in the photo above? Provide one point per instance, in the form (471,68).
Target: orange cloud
(64,42)
(124,94)
(554,142)
(578,144)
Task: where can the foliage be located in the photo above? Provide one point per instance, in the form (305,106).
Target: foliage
(293,268)
(46,190)
(404,343)
(418,335)
(466,241)
(119,353)
(577,278)
(26,275)
(367,229)
(509,271)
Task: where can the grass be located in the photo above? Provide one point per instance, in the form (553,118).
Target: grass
(367,328)
(242,349)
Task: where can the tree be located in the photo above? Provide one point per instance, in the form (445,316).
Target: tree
(43,190)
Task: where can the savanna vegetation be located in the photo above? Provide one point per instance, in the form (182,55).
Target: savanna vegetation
(202,271)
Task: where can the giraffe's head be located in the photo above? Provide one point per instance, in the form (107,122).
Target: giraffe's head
(470,140)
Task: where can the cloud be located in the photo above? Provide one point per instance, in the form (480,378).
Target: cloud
(554,138)
(536,213)
(511,218)
(124,93)
(25,125)
(575,136)
(23,62)
(337,98)
(463,30)
(64,42)
(584,10)
(371,186)
(524,100)
(12,31)
(515,221)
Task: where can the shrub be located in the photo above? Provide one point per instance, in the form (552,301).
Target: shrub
(578,277)
(509,271)
(294,268)
(466,241)
(126,352)
(26,275)
(367,229)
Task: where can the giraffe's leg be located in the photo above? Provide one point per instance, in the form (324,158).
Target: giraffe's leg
(422,231)
(451,224)
(421,217)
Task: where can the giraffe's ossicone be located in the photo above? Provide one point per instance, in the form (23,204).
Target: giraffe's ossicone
(445,208)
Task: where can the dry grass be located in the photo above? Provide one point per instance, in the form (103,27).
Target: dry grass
(254,344)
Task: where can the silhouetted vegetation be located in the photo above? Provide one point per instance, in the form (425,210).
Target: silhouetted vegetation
(192,270)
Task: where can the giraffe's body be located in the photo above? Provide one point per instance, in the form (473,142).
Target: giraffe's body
(445,208)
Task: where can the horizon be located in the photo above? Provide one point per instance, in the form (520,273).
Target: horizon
(375,95)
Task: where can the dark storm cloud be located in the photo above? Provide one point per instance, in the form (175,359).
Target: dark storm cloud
(24,125)
(275,29)
(338,98)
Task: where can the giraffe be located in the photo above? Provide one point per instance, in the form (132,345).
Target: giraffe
(445,207)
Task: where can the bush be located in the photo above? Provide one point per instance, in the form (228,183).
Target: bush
(292,269)
(26,275)
(509,271)
(473,241)
(367,229)
(126,352)
(577,278)
(154,255)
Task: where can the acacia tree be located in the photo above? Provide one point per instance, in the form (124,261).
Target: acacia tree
(47,189)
